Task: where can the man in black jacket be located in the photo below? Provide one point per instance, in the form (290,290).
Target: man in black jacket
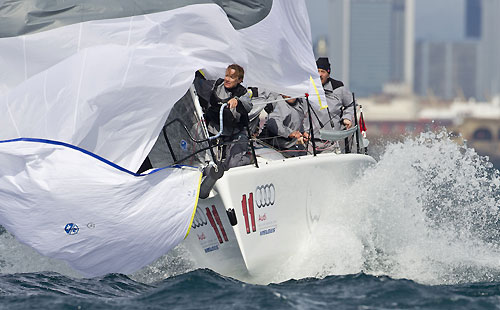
(235,115)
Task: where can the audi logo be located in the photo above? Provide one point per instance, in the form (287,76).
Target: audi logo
(200,219)
(265,195)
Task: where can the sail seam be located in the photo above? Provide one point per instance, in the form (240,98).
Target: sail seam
(10,114)
(25,61)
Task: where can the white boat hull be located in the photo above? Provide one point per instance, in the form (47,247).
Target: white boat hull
(277,207)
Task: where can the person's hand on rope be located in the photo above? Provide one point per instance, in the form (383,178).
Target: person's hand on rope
(232,103)
(347,123)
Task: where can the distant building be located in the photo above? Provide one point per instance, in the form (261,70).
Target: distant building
(473,15)
(371,43)
(489,64)
(467,68)
(447,70)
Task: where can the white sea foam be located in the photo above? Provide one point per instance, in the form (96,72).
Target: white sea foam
(176,261)
(427,211)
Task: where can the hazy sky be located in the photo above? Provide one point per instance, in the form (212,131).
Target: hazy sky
(434,19)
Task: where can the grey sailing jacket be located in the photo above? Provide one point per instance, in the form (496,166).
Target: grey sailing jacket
(339,100)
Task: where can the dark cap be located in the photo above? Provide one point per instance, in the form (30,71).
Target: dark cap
(323,63)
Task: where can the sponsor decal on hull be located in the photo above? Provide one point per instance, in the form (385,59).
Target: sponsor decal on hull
(265,196)
(267,231)
(199,220)
(313,211)
(209,221)
(212,248)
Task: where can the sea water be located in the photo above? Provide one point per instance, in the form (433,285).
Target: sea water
(419,230)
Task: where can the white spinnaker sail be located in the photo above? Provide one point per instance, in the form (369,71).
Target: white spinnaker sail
(106,86)
(73,206)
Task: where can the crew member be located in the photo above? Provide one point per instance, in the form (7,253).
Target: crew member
(235,116)
(284,128)
(338,97)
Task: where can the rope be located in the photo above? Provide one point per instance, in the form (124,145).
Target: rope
(221,123)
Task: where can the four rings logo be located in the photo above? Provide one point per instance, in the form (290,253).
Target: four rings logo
(200,219)
(265,195)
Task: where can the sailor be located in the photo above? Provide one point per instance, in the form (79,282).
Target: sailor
(338,97)
(284,129)
(235,116)
(260,98)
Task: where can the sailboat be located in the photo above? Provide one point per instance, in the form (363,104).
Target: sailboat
(250,219)
(85,92)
